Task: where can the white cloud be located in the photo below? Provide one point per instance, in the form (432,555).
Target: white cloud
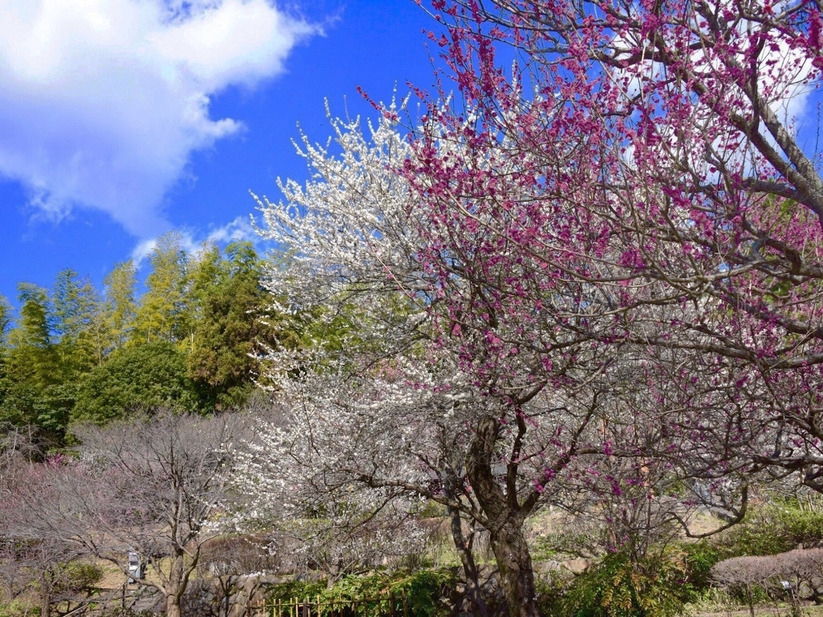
(143,250)
(102,101)
(240,229)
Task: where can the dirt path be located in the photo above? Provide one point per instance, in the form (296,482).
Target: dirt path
(766,610)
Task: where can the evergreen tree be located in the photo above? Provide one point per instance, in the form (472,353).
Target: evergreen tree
(33,357)
(76,312)
(206,273)
(5,321)
(33,393)
(120,308)
(140,379)
(231,322)
(161,315)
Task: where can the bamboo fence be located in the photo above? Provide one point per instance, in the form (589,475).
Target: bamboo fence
(307,607)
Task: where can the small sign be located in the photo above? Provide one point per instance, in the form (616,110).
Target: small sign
(135,568)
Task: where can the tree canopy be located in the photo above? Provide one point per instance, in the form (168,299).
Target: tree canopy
(190,342)
(601,266)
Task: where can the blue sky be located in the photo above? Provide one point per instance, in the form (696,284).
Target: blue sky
(123,119)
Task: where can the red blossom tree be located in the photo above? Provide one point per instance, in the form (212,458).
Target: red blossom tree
(632,193)
(614,247)
(403,395)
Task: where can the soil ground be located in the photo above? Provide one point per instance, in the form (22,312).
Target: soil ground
(808,610)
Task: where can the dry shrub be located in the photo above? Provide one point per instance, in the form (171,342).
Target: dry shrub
(801,567)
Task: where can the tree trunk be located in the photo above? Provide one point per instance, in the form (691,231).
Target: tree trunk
(172,607)
(473,591)
(750,600)
(176,586)
(514,563)
(45,595)
(505,522)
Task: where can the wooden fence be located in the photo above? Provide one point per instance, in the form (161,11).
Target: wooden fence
(386,606)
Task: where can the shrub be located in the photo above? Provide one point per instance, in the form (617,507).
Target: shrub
(621,587)
(376,594)
(700,557)
(19,608)
(551,589)
(803,527)
(744,577)
(775,528)
(767,573)
(294,589)
(75,576)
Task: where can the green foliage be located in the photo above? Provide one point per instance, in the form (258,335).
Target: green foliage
(190,343)
(5,319)
(295,589)
(75,576)
(64,579)
(802,525)
(162,314)
(32,357)
(551,587)
(137,379)
(700,557)
(230,324)
(377,594)
(754,538)
(126,612)
(75,307)
(620,587)
(431,509)
(19,607)
(120,307)
(49,349)
(424,589)
(776,527)
(46,409)
(772,528)
(31,386)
